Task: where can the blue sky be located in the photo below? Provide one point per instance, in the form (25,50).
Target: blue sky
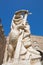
(8,8)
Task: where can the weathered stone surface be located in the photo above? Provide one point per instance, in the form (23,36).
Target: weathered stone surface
(2,44)
(38,41)
(19,50)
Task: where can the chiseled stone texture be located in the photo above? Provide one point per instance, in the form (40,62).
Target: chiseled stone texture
(19,50)
(38,40)
(2,46)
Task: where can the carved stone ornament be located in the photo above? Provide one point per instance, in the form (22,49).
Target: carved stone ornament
(19,50)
